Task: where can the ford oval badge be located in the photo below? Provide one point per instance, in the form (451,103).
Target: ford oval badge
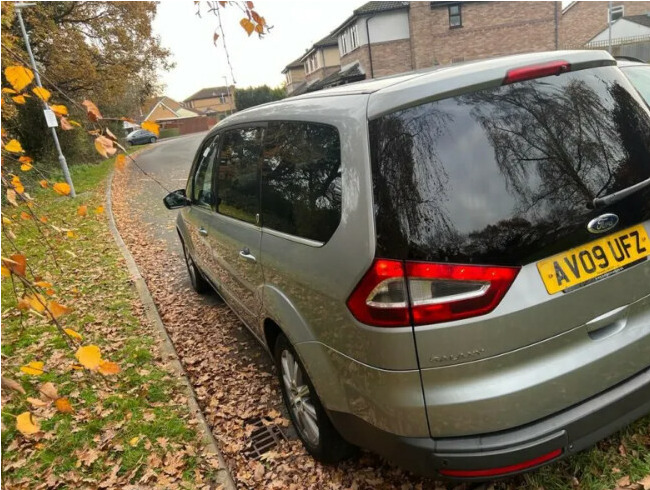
(603,223)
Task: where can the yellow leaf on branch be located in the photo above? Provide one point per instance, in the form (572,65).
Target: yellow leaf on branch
(61,188)
(11,197)
(9,91)
(120,161)
(43,284)
(27,424)
(14,146)
(91,110)
(26,159)
(248,26)
(18,185)
(19,77)
(16,263)
(43,183)
(73,334)
(151,126)
(42,93)
(105,146)
(65,124)
(108,367)
(25,216)
(34,368)
(26,167)
(5,271)
(56,310)
(19,99)
(36,302)
(60,110)
(89,356)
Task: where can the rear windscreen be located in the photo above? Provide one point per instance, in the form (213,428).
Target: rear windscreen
(508,175)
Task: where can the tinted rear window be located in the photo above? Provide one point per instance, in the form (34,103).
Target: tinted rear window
(508,175)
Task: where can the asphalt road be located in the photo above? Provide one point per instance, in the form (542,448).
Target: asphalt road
(168,162)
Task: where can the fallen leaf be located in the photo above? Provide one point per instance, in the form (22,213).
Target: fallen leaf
(37,402)
(65,124)
(10,384)
(43,183)
(99,209)
(11,197)
(623,482)
(82,210)
(34,368)
(89,356)
(49,390)
(43,284)
(645,483)
(63,405)
(27,424)
(108,367)
(134,441)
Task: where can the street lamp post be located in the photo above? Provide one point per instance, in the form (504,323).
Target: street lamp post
(62,161)
(228,92)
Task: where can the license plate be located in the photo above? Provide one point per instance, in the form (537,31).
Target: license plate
(594,260)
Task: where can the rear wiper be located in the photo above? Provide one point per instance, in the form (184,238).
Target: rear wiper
(600,202)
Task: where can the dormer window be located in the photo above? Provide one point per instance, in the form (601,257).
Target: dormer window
(312,63)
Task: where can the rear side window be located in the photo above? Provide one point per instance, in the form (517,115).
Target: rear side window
(238,174)
(508,175)
(639,75)
(301,179)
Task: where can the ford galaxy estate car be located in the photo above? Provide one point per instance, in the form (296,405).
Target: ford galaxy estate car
(450,268)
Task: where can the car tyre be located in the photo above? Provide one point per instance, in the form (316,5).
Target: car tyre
(307,414)
(199,284)
(152,140)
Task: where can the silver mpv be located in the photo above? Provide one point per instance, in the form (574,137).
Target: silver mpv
(449,267)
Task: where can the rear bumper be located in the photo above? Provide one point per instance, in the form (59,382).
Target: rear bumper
(512,451)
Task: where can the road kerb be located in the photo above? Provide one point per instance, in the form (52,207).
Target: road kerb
(169,352)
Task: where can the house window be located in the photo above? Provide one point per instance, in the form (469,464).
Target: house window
(349,40)
(616,12)
(455,16)
(312,63)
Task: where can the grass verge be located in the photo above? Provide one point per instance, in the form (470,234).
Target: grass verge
(130,428)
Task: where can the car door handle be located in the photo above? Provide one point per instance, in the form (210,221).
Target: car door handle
(203,231)
(245,253)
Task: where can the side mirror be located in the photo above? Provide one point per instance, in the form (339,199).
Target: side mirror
(176,199)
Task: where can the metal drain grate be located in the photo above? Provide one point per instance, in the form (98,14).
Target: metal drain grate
(263,438)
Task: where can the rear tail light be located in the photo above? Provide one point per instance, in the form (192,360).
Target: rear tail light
(396,294)
(537,71)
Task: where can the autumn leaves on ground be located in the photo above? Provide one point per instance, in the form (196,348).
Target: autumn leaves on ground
(88,425)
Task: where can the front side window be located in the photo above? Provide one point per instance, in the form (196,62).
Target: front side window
(455,16)
(202,193)
(238,174)
(301,179)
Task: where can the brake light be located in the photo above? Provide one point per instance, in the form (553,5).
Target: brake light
(505,470)
(396,294)
(536,71)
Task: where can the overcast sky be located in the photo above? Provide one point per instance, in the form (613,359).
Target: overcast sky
(296,26)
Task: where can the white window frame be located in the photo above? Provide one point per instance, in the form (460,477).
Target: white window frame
(614,10)
(349,40)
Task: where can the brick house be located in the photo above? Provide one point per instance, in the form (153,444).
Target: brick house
(294,74)
(163,108)
(212,100)
(321,60)
(385,38)
(581,21)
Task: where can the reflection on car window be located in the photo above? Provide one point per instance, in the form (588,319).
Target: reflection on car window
(238,177)
(640,77)
(202,194)
(301,179)
(507,175)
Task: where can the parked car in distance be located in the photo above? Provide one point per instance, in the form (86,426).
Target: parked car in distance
(639,74)
(449,268)
(141,137)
